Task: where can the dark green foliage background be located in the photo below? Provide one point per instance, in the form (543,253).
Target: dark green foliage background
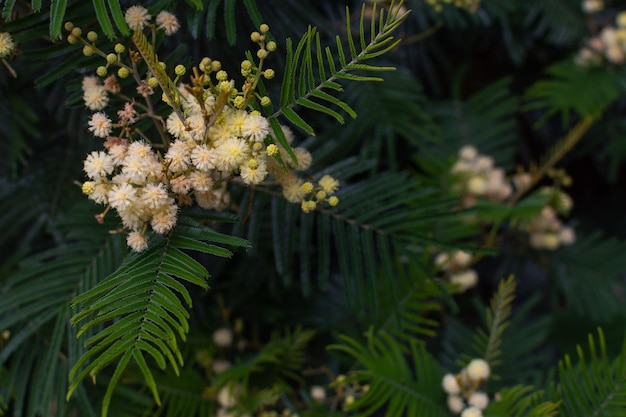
(501,79)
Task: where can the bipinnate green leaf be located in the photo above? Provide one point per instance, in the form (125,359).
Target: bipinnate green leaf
(310,68)
(142,305)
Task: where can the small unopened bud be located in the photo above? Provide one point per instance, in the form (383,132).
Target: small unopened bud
(68,26)
(180,70)
(269,73)
(254,36)
(88,50)
(261,53)
(265,101)
(76,31)
(264,28)
(153,82)
(101,71)
(92,36)
(271,46)
(111,58)
(119,48)
(123,72)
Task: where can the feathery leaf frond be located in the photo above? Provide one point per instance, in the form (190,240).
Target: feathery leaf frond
(594,385)
(403,386)
(487,344)
(141,301)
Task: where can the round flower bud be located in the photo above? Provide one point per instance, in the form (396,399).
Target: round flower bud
(478,370)
(223,337)
(272,149)
(265,101)
(88,50)
(333,201)
(261,53)
(68,26)
(205,64)
(71,39)
(216,65)
(123,72)
(101,71)
(180,70)
(472,412)
(221,75)
(153,82)
(479,400)
(245,64)
(111,58)
(76,31)
(456,404)
(254,36)
(92,36)
(269,73)
(239,102)
(119,48)
(88,187)
(264,28)
(307,187)
(163,65)
(271,46)
(450,385)
(320,195)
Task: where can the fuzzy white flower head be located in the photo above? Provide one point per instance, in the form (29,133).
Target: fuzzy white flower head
(255,128)
(478,370)
(220,365)
(462,258)
(100,125)
(456,404)
(98,164)
(7,45)
(328,184)
(484,163)
(592,6)
(223,337)
(176,127)
(165,218)
(137,241)
(253,173)
(95,98)
(479,400)
(168,22)
(318,393)
(122,196)
(203,158)
(567,235)
(450,385)
(472,412)
(154,196)
(178,156)
(136,17)
(468,153)
(292,191)
(303,158)
(465,279)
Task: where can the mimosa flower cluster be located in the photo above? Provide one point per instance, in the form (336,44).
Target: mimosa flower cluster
(606,46)
(7,48)
(456,265)
(469,5)
(478,178)
(213,136)
(546,230)
(463,389)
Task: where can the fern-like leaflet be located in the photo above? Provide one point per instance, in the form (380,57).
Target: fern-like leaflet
(141,303)
(310,68)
